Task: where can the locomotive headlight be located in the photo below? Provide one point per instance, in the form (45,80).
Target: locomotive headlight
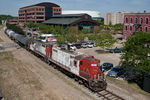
(94,65)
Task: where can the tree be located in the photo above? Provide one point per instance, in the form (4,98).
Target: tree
(81,37)
(61,39)
(137,49)
(31,25)
(136,52)
(70,37)
(105,40)
(101,22)
(92,37)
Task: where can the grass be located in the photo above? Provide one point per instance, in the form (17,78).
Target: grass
(6,56)
(1,26)
(0,38)
(125,84)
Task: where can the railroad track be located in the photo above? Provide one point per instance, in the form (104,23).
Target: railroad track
(107,95)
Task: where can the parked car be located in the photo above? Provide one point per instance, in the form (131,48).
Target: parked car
(94,44)
(115,72)
(116,50)
(84,45)
(106,66)
(71,46)
(77,45)
(90,45)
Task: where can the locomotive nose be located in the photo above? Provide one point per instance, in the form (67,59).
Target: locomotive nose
(98,85)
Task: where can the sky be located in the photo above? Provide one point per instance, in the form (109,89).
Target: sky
(11,7)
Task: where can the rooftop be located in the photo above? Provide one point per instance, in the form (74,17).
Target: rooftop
(61,21)
(69,16)
(68,19)
(45,4)
(138,13)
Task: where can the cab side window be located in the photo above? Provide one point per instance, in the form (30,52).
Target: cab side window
(81,63)
(75,63)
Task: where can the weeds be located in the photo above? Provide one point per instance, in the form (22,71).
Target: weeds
(6,56)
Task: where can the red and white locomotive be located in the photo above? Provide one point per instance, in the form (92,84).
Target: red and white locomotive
(82,67)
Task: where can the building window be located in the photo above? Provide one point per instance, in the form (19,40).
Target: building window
(130,28)
(126,20)
(81,63)
(56,13)
(136,20)
(146,29)
(131,20)
(39,17)
(141,20)
(42,9)
(36,9)
(75,63)
(39,13)
(59,9)
(126,27)
(146,20)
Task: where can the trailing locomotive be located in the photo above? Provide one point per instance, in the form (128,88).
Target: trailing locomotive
(83,68)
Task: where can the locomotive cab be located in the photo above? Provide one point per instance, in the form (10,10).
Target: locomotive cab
(89,69)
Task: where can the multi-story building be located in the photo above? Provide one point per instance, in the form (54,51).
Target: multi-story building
(135,22)
(107,18)
(114,18)
(39,12)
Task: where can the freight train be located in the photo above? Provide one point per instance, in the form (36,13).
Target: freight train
(83,68)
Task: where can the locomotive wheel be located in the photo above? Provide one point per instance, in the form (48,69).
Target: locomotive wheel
(55,67)
(86,84)
(76,78)
(49,63)
(80,82)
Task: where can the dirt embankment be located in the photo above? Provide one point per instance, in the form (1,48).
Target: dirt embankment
(25,77)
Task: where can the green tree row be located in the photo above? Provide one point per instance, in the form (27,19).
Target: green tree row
(6,17)
(71,35)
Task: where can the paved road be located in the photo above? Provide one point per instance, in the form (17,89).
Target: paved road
(108,57)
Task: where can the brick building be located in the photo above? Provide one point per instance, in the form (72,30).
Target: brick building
(13,21)
(38,13)
(76,21)
(135,22)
